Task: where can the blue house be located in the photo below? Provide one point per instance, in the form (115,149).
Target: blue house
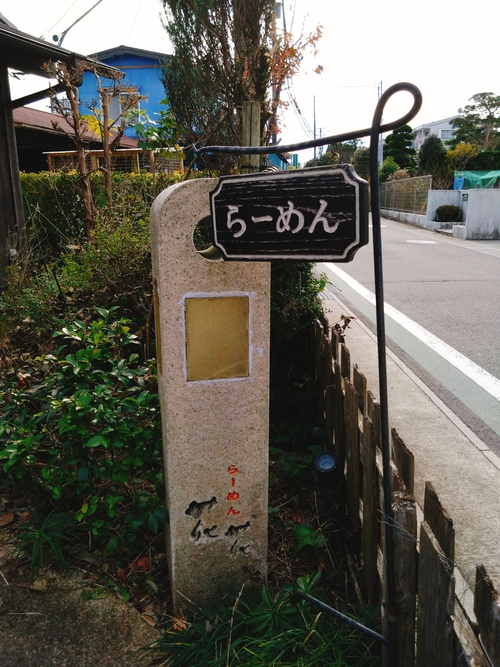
(142,77)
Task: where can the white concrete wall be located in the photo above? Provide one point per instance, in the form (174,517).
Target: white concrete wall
(437,198)
(483,214)
(480,212)
(410,218)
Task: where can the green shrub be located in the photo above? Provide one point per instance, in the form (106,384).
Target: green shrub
(448,213)
(484,161)
(389,166)
(114,268)
(82,425)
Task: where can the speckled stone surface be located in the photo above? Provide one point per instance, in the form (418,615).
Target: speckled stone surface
(215,432)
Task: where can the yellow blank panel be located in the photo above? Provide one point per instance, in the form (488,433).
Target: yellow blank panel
(217,338)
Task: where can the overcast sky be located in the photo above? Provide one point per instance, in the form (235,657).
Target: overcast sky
(448,52)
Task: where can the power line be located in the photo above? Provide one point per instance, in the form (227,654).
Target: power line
(337,85)
(135,19)
(302,120)
(60,38)
(58,20)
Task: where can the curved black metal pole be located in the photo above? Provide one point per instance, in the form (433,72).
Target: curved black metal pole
(390,598)
(324,141)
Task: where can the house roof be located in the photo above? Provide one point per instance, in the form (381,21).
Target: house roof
(51,123)
(434,122)
(130,51)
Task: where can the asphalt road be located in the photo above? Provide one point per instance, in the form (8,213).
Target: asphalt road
(442,315)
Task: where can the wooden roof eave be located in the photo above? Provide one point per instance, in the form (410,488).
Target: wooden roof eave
(28,54)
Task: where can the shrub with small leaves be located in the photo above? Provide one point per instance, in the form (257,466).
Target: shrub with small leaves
(84,425)
(448,213)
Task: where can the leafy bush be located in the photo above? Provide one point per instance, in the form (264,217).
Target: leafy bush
(399,175)
(82,427)
(361,162)
(389,166)
(114,268)
(459,157)
(485,161)
(448,213)
(431,156)
(294,298)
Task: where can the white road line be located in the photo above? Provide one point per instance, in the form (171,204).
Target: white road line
(488,382)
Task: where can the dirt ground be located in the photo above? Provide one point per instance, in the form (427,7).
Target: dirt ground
(62,625)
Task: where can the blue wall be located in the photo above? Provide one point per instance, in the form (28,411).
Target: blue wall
(142,71)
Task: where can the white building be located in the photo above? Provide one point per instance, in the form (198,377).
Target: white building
(441,128)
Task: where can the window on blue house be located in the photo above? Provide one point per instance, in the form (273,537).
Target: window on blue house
(125,101)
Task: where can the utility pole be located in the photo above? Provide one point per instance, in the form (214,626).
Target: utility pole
(314,124)
(250,123)
(320,148)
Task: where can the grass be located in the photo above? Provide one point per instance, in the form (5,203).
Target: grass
(275,631)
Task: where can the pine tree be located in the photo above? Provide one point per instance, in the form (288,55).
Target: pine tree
(398,145)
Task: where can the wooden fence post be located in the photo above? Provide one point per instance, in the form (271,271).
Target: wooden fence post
(404,461)
(487,610)
(352,458)
(436,639)
(339,426)
(359,381)
(405,575)
(328,398)
(345,361)
(371,522)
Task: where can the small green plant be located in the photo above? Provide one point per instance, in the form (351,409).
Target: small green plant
(43,539)
(294,297)
(307,535)
(274,631)
(448,213)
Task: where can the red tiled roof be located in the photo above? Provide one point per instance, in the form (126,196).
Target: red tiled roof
(53,123)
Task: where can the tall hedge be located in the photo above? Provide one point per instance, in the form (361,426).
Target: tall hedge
(54,207)
(485,161)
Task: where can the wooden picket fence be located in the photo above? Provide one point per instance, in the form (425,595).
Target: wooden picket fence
(433,627)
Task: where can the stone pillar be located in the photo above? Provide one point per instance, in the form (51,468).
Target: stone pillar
(212,329)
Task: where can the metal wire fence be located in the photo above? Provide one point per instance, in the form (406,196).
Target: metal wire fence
(408,194)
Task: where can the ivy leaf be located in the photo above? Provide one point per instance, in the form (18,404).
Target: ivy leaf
(306,535)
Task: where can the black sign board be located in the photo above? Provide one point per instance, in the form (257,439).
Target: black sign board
(307,214)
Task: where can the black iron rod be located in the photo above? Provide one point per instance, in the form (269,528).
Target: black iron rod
(323,141)
(390,597)
(342,617)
